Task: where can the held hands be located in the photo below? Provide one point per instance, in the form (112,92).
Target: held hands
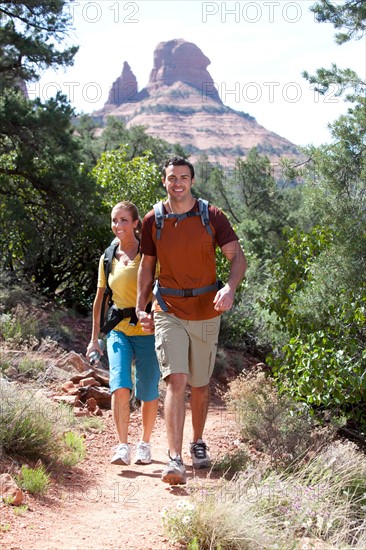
(146,321)
(224,299)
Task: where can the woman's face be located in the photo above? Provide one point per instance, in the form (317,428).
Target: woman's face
(122,224)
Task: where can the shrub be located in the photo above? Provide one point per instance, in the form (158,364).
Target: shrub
(75,449)
(18,327)
(34,480)
(30,367)
(322,499)
(31,425)
(232,463)
(276,425)
(219,523)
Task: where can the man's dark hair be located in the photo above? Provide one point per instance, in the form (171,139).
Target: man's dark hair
(178,161)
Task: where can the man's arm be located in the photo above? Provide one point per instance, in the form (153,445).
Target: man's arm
(224,298)
(145,279)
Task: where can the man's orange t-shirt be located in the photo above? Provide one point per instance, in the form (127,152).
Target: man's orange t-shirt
(186,255)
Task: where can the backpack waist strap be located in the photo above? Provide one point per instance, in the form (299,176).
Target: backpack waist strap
(158,291)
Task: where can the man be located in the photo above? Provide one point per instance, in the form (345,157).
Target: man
(189,303)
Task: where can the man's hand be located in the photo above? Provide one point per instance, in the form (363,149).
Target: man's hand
(146,321)
(224,299)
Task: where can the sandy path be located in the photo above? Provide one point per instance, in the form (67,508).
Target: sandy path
(101,506)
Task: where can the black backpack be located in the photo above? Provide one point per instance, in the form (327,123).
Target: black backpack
(110,315)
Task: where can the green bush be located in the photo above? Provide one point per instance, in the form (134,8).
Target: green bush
(321,308)
(75,449)
(18,327)
(32,426)
(275,424)
(31,367)
(322,499)
(232,463)
(34,480)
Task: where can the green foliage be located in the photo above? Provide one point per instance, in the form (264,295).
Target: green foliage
(34,480)
(32,426)
(318,284)
(116,135)
(31,368)
(327,367)
(321,499)
(341,79)
(253,200)
(231,464)
(121,179)
(41,186)
(275,424)
(28,34)
(18,327)
(293,271)
(237,328)
(349,15)
(323,361)
(75,450)
(42,180)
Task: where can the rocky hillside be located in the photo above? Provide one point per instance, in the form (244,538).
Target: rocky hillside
(181,105)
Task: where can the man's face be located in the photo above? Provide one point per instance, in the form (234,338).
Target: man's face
(178,182)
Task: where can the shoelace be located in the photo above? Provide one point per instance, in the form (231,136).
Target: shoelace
(199,450)
(177,460)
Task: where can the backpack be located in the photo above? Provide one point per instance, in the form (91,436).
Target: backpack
(202,211)
(110,315)
(158,291)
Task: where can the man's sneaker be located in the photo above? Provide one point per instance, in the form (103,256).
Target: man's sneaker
(199,454)
(143,453)
(175,472)
(123,455)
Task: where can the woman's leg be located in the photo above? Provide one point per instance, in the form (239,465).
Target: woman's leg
(149,411)
(121,412)
(120,353)
(147,382)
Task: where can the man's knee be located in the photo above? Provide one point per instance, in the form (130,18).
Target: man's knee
(176,382)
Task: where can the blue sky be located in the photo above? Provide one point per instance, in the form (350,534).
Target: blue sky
(257,49)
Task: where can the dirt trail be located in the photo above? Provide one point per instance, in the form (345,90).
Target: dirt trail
(101,506)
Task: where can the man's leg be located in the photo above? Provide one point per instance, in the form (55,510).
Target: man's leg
(172,348)
(200,398)
(174,411)
(203,347)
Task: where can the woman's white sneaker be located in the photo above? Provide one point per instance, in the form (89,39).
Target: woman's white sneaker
(143,453)
(122,455)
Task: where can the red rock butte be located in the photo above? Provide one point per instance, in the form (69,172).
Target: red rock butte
(181,104)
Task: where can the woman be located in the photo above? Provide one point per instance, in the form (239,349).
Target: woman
(127,343)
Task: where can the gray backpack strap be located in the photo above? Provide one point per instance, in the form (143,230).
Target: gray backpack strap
(203,209)
(157,294)
(159,218)
(203,213)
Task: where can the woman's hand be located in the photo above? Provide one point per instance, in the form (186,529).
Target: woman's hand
(93,345)
(146,321)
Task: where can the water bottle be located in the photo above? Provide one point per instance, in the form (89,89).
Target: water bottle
(95,355)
